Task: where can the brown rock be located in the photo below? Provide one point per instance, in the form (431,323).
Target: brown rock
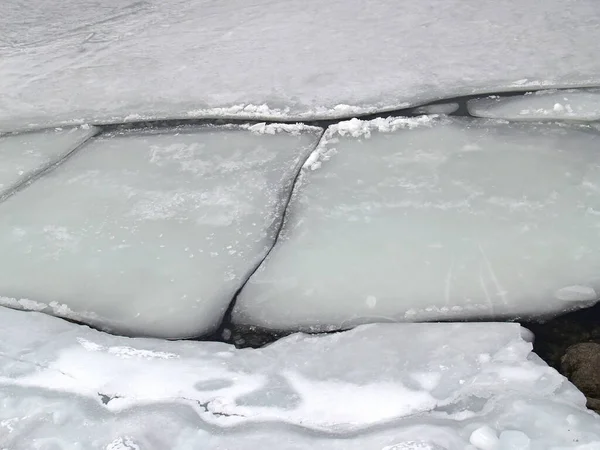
(581,365)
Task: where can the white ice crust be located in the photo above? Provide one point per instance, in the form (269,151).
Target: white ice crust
(435,218)
(152,232)
(74,61)
(385,386)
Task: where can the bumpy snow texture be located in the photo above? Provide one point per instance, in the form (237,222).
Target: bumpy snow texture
(464,386)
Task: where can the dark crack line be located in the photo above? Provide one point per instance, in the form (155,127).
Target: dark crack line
(411,111)
(226,322)
(35,364)
(36,175)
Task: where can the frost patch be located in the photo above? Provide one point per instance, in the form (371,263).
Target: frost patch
(362,128)
(54,308)
(357,128)
(265,111)
(275,128)
(23,303)
(240,110)
(124,352)
(125,443)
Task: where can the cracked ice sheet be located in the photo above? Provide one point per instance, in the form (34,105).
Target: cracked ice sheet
(371,387)
(434,218)
(150,233)
(76,59)
(26,154)
(567,104)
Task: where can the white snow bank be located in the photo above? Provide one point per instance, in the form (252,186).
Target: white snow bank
(404,386)
(568,104)
(411,219)
(120,60)
(150,233)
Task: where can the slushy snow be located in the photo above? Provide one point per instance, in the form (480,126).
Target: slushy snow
(435,218)
(150,232)
(69,387)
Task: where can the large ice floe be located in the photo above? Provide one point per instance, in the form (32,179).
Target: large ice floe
(150,232)
(566,104)
(435,218)
(386,386)
(126,60)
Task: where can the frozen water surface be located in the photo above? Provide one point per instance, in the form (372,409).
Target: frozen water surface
(69,387)
(77,59)
(26,154)
(150,232)
(435,219)
(568,104)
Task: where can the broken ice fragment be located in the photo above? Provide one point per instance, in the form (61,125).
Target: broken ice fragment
(567,104)
(454,218)
(484,438)
(162,192)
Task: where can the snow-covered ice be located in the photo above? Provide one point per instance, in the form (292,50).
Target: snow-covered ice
(116,60)
(25,155)
(429,218)
(66,386)
(150,232)
(567,104)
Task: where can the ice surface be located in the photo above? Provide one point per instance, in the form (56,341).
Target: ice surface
(568,104)
(76,388)
(25,155)
(435,219)
(121,60)
(150,232)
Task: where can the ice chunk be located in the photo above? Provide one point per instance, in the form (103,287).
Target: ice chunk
(438,108)
(61,383)
(569,104)
(72,60)
(25,155)
(435,218)
(149,232)
(484,438)
(514,440)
